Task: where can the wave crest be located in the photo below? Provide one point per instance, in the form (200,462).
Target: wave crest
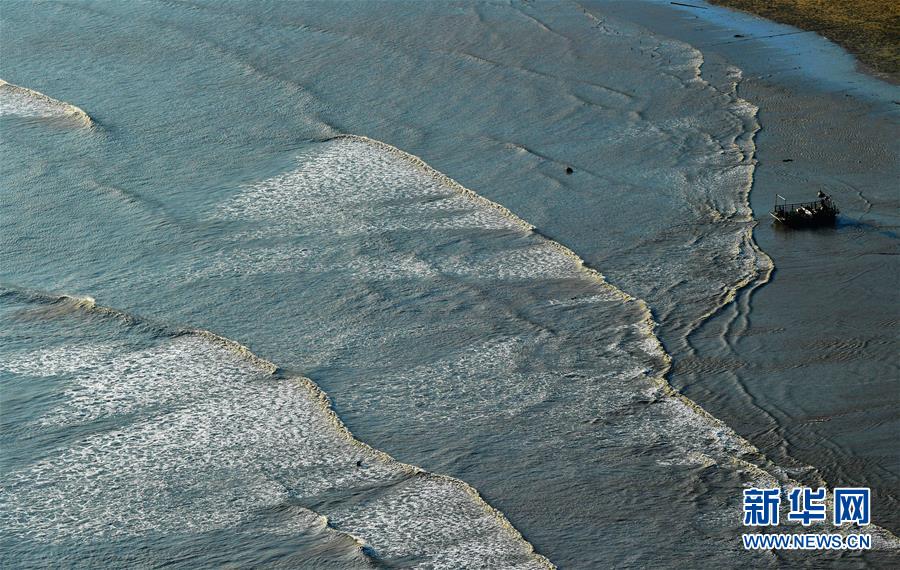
(24,102)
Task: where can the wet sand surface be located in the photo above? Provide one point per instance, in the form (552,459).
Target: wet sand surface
(806,365)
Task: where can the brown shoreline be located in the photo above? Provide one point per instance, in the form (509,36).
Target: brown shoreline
(870,29)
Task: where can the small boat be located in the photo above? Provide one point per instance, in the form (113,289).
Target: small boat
(821,212)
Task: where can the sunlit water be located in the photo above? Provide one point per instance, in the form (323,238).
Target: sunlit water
(211,189)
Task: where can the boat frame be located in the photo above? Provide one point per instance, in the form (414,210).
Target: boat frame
(818,213)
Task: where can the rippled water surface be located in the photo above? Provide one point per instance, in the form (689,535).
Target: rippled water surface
(216,214)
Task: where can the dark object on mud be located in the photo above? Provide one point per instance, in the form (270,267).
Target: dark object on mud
(816,214)
(569,170)
(689,5)
(787,160)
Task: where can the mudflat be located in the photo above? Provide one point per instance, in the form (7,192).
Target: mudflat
(870,29)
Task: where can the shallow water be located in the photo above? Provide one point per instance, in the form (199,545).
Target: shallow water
(806,366)
(209,191)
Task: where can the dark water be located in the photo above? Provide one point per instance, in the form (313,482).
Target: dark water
(206,192)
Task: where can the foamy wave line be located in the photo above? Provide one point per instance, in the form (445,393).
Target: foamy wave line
(648,323)
(762,264)
(89,305)
(49,103)
(743,453)
(759,273)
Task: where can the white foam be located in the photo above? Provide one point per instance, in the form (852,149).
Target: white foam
(24,102)
(60,360)
(354,192)
(205,441)
(360,190)
(346,187)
